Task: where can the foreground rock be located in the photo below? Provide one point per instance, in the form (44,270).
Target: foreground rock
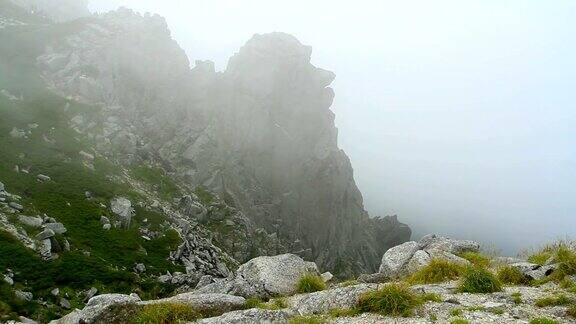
(251,316)
(205,303)
(265,277)
(407,258)
(95,307)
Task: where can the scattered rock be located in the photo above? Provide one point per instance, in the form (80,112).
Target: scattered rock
(95,307)
(123,208)
(326,276)
(45,234)
(90,293)
(107,226)
(16,206)
(8,280)
(55,292)
(2,186)
(395,259)
(30,221)
(251,316)
(209,303)
(43,177)
(140,268)
(64,303)
(373,278)
(17,133)
(23,295)
(58,228)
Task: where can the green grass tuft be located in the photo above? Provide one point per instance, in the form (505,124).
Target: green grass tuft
(459,321)
(166,314)
(311,319)
(571,311)
(310,283)
(456,312)
(438,270)
(559,300)
(543,320)
(393,299)
(517,298)
(476,258)
(478,280)
(512,276)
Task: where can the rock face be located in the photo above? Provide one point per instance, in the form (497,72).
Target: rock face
(407,258)
(261,134)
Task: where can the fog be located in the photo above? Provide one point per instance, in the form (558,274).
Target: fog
(458,116)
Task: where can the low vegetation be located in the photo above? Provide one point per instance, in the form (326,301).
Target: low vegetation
(543,320)
(310,283)
(566,260)
(393,299)
(459,321)
(517,298)
(560,300)
(476,258)
(343,312)
(512,276)
(479,280)
(311,319)
(165,314)
(438,270)
(274,304)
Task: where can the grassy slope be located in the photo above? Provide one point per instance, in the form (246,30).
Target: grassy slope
(63,197)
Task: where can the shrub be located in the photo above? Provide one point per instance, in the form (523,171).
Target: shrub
(392,299)
(310,283)
(559,300)
(165,314)
(438,270)
(543,320)
(307,320)
(540,257)
(477,259)
(478,280)
(512,276)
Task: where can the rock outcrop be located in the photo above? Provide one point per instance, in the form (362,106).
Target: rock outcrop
(260,135)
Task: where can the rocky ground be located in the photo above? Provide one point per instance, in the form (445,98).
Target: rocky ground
(275,284)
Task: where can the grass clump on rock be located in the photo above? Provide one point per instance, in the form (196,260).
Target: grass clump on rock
(479,280)
(393,299)
(310,283)
(312,319)
(165,314)
(438,270)
(559,300)
(512,276)
(476,258)
(566,259)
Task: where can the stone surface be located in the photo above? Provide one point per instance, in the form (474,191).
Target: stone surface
(323,301)
(251,316)
(209,303)
(57,228)
(95,307)
(123,208)
(30,221)
(45,234)
(395,259)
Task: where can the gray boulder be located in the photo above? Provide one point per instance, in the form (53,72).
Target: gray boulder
(95,307)
(251,316)
(43,177)
(30,221)
(58,228)
(323,301)
(395,259)
(15,206)
(2,186)
(140,268)
(268,276)
(419,260)
(23,295)
(45,249)
(207,303)
(64,303)
(45,234)
(327,276)
(123,208)
(433,241)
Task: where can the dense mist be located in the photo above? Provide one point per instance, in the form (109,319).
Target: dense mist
(457,116)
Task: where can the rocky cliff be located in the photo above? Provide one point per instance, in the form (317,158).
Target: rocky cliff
(260,134)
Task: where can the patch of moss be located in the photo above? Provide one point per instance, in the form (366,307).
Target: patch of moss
(517,298)
(543,320)
(459,321)
(311,319)
(479,280)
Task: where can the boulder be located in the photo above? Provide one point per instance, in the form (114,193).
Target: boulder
(206,303)
(104,220)
(268,276)
(90,293)
(395,259)
(251,316)
(43,177)
(55,292)
(140,268)
(8,280)
(2,186)
(373,278)
(323,301)
(30,221)
(64,303)
(58,228)
(95,307)
(107,226)
(45,249)
(23,295)
(432,241)
(327,276)
(123,208)
(419,260)
(15,206)
(45,234)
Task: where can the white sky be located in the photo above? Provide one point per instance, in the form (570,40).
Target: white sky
(459,116)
